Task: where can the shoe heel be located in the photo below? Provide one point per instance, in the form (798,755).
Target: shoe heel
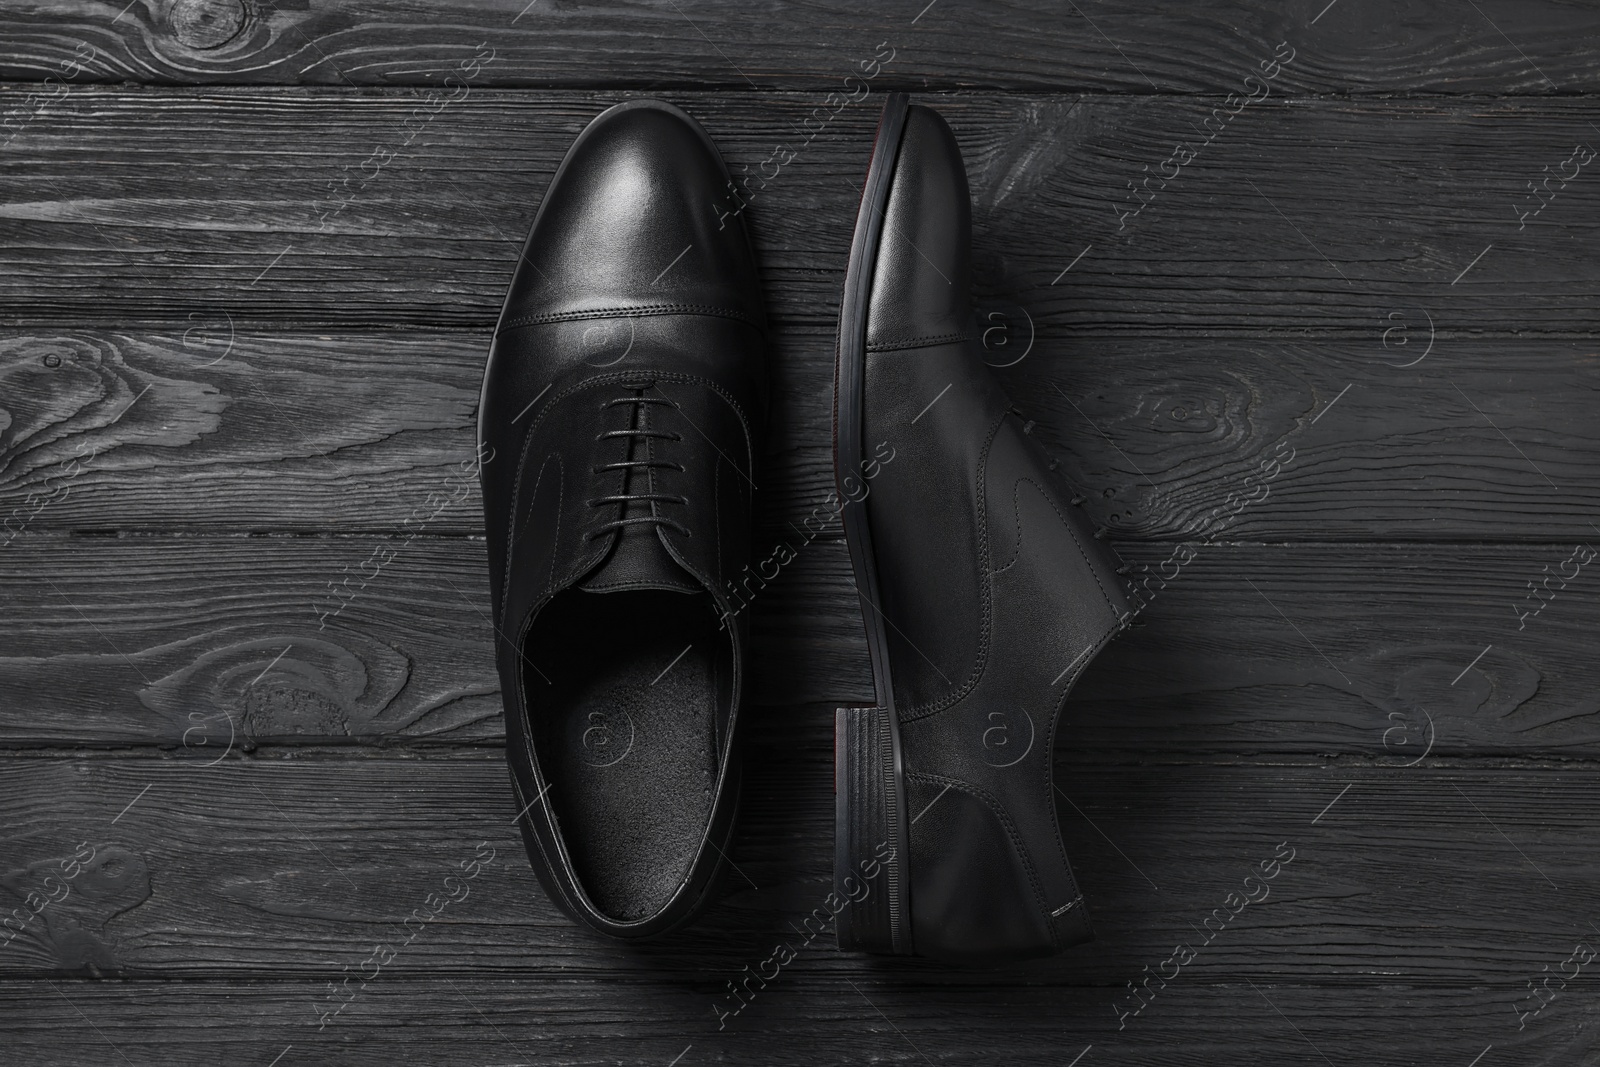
(870,847)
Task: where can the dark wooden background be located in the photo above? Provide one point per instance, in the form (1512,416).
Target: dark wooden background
(239,360)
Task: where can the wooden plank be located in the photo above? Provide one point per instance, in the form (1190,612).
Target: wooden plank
(169,640)
(884,1017)
(205,425)
(176,641)
(209,429)
(238,325)
(1164,47)
(1352,211)
(301,866)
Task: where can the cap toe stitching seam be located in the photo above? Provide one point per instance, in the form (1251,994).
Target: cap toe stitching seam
(636,311)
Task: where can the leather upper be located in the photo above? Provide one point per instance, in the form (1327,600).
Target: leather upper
(995,592)
(628,362)
(922,281)
(637,190)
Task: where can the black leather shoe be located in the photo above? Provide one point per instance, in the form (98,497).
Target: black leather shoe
(621,410)
(983,590)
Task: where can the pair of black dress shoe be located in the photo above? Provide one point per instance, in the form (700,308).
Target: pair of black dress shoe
(622,411)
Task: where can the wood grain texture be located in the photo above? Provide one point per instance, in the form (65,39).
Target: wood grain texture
(1302,219)
(1165,47)
(300,866)
(209,429)
(1377,651)
(807,1020)
(250,255)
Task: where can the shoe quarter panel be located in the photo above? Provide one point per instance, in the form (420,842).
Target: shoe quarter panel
(934,409)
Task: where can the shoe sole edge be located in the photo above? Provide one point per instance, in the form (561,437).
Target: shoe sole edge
(869,779)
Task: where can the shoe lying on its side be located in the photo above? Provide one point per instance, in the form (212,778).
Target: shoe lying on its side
(622,405)
(983,591)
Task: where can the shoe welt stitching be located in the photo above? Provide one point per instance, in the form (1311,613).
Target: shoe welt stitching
(638,311)
(919,711)
(901,343)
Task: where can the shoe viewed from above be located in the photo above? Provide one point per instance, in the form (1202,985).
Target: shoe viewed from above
(622,406)
(982,587)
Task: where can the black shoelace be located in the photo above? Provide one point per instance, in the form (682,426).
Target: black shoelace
(638,430)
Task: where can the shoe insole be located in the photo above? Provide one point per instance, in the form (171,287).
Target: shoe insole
(627,731)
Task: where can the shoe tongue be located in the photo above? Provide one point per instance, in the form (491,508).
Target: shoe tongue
(638,560)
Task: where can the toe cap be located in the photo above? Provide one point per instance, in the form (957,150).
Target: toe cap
(923,276)
(637,218)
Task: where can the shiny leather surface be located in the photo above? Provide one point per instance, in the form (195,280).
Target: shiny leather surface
(995,592)
(634,310)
